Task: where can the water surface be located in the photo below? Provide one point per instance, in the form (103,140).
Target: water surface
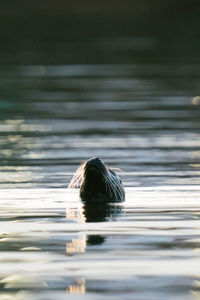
(125,89)
(145,248)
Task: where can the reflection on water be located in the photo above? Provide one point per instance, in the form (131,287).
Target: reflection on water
(77,245)
(90,212)
(54,245)
(100,212)
(78,288)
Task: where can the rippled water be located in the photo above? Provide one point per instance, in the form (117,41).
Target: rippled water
(134,102)
(129,115)
(146,248)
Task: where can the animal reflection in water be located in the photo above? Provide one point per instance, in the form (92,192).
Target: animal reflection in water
(99,186)
(100,213)
(98,183)
(90,213)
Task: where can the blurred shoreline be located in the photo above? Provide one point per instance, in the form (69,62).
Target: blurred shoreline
(60,20)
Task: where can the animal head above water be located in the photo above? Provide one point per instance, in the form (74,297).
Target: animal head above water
(97,182)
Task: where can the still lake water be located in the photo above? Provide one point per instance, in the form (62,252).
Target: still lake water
(138,114)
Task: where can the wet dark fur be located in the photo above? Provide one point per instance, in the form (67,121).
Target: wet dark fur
(98,182)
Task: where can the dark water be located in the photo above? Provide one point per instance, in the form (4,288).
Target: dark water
(131,97)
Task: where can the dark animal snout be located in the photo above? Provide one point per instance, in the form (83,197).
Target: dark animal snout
(94,162)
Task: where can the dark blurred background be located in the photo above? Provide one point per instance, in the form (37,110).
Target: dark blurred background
(114,79)
(48,27)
